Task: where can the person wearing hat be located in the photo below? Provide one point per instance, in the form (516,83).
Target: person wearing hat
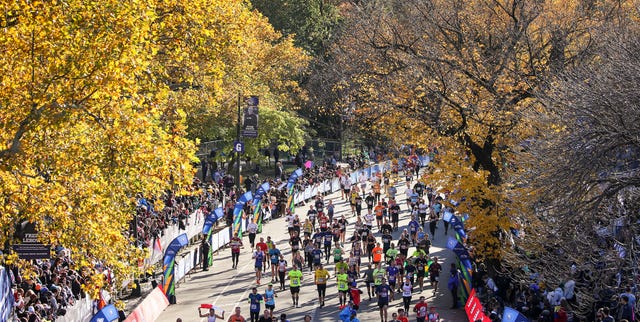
(269,297)
(354,317)
(211,315)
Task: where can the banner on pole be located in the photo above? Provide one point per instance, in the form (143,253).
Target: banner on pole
(250,122)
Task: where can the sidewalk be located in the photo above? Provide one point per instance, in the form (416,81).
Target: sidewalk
(227,288)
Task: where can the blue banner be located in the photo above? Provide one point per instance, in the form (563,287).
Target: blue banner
(290,184)
(260,192)
(7,302)
(168,283)
(458,226)
(512,315)
(462,253)
(237,212)
(108,313)
(293,177)
(211,219)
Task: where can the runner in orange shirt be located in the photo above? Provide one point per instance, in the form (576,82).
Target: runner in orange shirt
(377,252)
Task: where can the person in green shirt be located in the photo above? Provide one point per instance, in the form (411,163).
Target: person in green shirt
(343,287)
(337,254)
(295,280)
(342,265)
(392,253)
(419,253)
(378,275)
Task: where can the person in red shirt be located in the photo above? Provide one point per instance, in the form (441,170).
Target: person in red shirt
(354,294)
(402,316)
(236,244)
(265,249)
(421,310)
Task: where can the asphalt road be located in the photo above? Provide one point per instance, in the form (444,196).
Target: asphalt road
(227,288)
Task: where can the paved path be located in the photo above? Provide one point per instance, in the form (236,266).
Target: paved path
(226,287)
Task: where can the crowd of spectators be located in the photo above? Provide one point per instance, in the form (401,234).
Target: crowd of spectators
(48,289)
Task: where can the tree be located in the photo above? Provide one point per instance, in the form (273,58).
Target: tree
(83,127)
(211,53)
(311,22)
(463,73)
(586,186)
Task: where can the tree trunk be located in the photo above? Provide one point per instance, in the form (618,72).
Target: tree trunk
(483,158)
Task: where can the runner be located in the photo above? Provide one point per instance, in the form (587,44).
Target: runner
(407,291)
(311,215)
(413,230)
(295,280)
(336,232)
(378,275)
(434,274)
(371,244)
(330,210)
(323,221)
(385,294)
(343,287)
(377,253)
(252,229)
(404,243)
(354,295)
(307,228)
(274,256)
(321,276)
(394,210)
(328,240)
(294,241)
(308,247)
(343,229)
(236,244)
(236,317)
(316,254)
(337,256)
(391,254)
(254,304)
(368,280)
(379,213)
(269,297)
(211,315)
(370,201)
(258,256)
(282,270)
(265,250)
(421,309)
(421,263)
(392,275)
(433,316)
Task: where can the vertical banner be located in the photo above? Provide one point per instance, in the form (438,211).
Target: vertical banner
(168,282)
(207,228)
(250,121)
(237,212)
(465,261)
(474,309)
(6,295)
(257,203)
(290,185)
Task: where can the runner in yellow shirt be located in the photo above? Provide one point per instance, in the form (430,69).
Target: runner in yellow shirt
(343,287)
(321,276)
(295,280)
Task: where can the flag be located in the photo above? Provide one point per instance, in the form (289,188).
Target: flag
(157,246)
(512,315)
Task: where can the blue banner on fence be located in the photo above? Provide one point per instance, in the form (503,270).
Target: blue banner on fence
(211,219)
(168,282)
(260,192)
(108,313)
(511,315)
